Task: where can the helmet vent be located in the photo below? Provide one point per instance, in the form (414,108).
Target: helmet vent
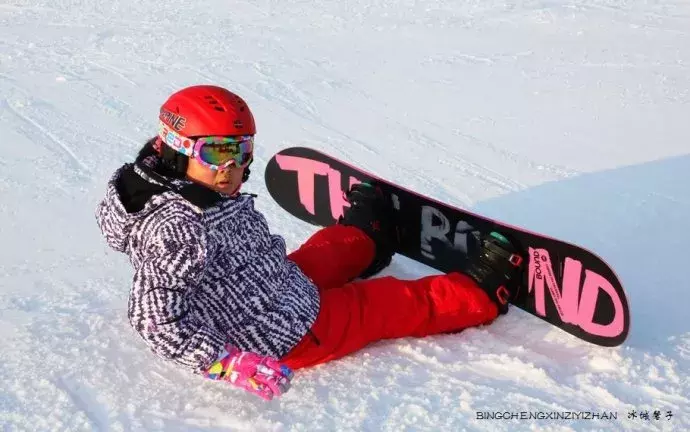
(214,103)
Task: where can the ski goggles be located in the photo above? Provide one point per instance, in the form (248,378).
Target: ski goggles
(214,152)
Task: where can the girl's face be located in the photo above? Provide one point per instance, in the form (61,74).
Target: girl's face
(227,181)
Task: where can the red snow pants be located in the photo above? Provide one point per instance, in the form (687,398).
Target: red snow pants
(355,314)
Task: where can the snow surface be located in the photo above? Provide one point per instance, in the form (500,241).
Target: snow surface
(570,118)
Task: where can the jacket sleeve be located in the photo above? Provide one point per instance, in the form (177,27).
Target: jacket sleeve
(172,263)
(112,218)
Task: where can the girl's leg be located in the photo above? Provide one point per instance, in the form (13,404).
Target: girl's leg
(334,255)
(362,312)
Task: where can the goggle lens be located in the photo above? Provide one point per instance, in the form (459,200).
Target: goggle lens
(224,151)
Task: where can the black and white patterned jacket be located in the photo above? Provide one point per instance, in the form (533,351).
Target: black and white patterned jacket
(203,276)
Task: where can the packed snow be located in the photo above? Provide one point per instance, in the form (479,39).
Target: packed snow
(569,118)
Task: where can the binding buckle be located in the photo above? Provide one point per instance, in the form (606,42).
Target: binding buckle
(515,260)
(502,294)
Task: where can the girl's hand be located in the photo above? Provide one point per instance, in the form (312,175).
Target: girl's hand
(262,376)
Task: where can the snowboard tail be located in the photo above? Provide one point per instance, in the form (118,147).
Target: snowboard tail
(563,284)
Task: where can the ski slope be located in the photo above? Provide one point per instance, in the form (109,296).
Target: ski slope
(566,117)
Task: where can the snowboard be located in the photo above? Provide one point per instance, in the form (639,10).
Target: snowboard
(563,284)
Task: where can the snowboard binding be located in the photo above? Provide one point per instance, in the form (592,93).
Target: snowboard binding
(497,268)
(371,212)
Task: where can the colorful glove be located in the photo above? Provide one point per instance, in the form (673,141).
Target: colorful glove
(262,376)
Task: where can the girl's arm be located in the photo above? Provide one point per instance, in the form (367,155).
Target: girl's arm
(174,260)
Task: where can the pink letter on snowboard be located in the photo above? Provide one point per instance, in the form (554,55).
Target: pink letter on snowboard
(306,170)
(566,302)
(588,301)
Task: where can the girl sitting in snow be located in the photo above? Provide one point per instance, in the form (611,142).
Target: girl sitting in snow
(215,292)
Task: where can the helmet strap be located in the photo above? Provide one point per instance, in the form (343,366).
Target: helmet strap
(247,171)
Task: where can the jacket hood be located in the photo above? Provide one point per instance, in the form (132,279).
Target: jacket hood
(130,197)
(138,189)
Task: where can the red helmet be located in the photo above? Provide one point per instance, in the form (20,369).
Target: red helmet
(206,110)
